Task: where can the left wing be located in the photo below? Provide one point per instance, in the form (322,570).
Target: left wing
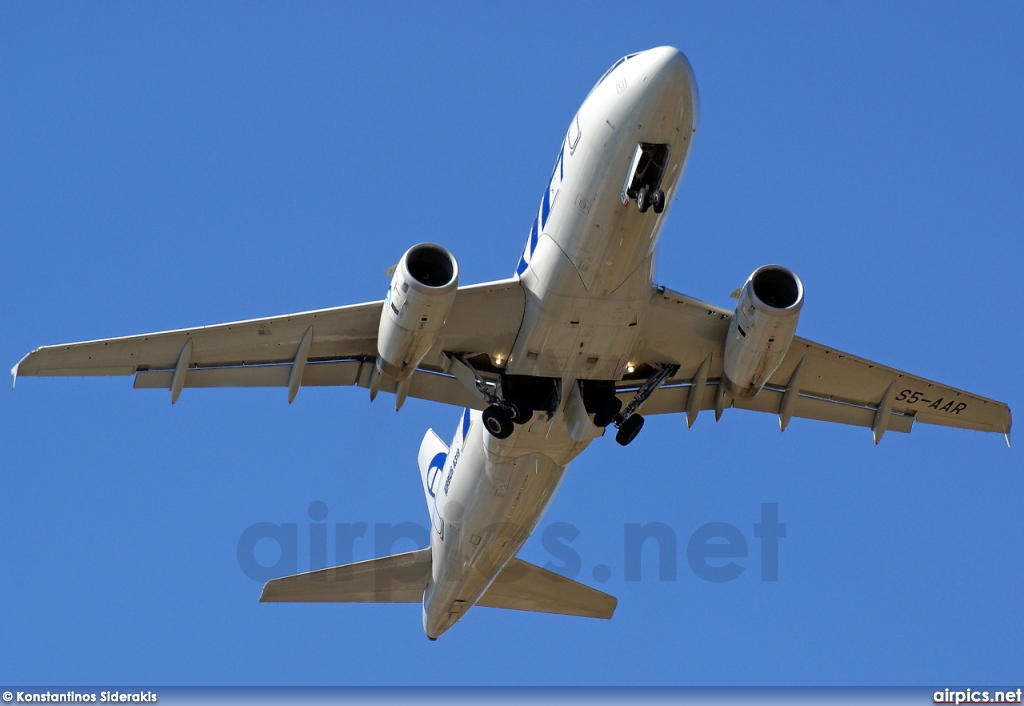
(813,381)
(325,347)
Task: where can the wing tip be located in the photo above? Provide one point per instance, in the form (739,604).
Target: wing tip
(17,366)
(267,592)
(14,370)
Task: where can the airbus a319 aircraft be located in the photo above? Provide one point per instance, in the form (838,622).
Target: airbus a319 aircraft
(577,341)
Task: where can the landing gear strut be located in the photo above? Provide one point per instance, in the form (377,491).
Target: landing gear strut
(628,421)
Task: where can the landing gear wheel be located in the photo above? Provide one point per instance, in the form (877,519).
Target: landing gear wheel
(605,414)
(520,412)
(658,201)
(498,422)
(629,429)
(643,199)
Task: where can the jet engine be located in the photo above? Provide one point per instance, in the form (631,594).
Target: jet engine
(421,295)
(762,329)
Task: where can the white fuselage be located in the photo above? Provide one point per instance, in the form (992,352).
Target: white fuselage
(587,272)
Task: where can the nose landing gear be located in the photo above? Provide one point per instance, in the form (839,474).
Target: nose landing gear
(644,177)
(645,199)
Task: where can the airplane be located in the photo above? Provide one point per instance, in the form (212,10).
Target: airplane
(579,340)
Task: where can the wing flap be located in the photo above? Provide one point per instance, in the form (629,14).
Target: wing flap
(674,398)
(317,374)
(240,376)
(424,385)
(525,586)
(400,578)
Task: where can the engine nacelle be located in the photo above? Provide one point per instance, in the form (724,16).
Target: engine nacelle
(762,329)
(421,295)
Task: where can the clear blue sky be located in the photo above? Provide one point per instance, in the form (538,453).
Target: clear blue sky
(169,165)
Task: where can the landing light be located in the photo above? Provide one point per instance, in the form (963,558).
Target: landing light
(630,368)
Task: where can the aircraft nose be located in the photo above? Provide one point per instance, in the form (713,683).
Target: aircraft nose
(669,68)
(667,74)
(662,56)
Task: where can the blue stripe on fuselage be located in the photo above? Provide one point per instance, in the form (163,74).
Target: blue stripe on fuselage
(557,174)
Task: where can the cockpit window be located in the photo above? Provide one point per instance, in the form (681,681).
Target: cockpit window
(613,67)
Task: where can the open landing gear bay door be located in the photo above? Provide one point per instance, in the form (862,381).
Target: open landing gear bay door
(326,347)
(813,381)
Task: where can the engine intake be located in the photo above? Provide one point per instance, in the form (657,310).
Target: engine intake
(762,328)
(421,295)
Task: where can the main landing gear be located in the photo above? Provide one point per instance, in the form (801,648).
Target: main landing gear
(512,400)
(628,421)
(599,399)
(498,422)
(629,429)
(520,396)
(501,417)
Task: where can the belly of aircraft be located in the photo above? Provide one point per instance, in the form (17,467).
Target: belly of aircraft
(590,276)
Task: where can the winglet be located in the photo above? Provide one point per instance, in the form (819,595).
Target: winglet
(14,370)
(736,293)
(1009,423)
(390,272)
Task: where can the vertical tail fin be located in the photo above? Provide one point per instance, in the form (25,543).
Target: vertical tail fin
(432,456)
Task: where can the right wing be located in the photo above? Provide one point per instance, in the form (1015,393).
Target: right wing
(341,348)
(831,385)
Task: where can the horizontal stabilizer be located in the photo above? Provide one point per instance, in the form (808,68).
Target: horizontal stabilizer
(400,578)
(524,586)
